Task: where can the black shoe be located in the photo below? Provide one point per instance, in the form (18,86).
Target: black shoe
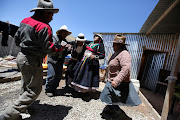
(49,94)
(52,94)
(18,118)
(30,110)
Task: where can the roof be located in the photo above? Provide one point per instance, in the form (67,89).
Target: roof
(169,24)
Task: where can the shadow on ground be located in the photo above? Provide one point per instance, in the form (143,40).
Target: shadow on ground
(118,115)
(70,92)
(48,112)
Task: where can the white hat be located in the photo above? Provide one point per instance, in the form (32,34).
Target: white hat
(45,5)
(64,27)
(81,37)
(99,35)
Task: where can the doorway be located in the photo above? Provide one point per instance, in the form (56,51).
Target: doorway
(151,63)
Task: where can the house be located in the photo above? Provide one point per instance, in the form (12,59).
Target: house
(165,19)
(155,47)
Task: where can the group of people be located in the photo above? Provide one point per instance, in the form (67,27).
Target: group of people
(35,39)
(82,70)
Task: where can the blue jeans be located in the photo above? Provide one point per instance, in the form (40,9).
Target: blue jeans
(54,74)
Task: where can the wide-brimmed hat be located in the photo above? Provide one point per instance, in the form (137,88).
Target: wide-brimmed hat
(64,27)
(99,35)
(45,5)
(118,38)
(81,37)
(70,38)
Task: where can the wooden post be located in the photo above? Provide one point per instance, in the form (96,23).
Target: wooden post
(171,83)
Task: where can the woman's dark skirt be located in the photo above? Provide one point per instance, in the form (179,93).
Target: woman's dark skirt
(123,94)
(86,75)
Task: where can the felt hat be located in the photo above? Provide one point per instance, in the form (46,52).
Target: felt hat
(118,38)
(45,5)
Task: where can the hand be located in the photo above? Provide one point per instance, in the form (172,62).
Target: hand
(63,43)
(92,56)
(69,47)
(63,46)
(114,84)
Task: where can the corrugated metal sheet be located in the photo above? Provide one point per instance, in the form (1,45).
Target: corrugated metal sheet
(11,49)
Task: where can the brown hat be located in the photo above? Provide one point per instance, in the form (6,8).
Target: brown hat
(118,38)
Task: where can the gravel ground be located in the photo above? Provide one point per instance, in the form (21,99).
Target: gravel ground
(69,105)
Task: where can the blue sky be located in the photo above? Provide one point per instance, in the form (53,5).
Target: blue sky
(86,16)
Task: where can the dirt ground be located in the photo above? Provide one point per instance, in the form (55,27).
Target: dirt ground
(70,105)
